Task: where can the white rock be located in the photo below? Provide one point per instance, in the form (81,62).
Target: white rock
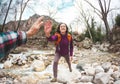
(90,71)
(38,65)
(8,64)
(116,75)
(115,68)
(1,65)
(101,78)
(86,79)
(117,82)
(95,65)
(98,69)
(106,66)
(29,80)
(110,72)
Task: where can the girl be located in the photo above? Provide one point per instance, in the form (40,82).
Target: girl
(63,47)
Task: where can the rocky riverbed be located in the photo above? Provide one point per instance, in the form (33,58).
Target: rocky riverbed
(33,66)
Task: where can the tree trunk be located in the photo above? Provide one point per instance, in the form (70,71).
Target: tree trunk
(107,28)
(88,28)
(6,16)
(19,22)
(22,10)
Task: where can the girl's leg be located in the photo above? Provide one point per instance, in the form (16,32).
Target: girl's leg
(68,62)
(55,67)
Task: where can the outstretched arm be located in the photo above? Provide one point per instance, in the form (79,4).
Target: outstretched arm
(12,39)
(35,27)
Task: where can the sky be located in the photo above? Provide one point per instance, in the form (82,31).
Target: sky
(63,10)
(66,11)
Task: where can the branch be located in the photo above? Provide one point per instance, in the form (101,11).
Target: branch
(114,9)
(92,6)
(6,15)
(98,14)
(105,6)
(21,6)
(31,8)
(25,5)
(101,6)
(108,6)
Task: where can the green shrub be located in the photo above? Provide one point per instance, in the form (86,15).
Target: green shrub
(117,20)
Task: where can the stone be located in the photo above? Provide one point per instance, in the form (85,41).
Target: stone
(106,66)
(101,78)
(38,66)
(90,71)
(98,69)
(117,82)
(86,79)
(8,64)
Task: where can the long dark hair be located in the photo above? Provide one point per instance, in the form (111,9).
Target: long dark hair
(58,28)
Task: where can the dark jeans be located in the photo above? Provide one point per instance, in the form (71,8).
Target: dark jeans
(55,64)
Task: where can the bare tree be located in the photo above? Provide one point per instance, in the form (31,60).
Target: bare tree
(86,20)
(3,9)
(103,13)
(50,10)
(84,17)
(6,15)
(15,17)
(22,6)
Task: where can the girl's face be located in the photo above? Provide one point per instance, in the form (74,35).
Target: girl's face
(63,28)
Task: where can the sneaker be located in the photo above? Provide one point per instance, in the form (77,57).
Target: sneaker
(54,80)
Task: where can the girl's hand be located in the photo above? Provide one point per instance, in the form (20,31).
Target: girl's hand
(71,58)
(48,27)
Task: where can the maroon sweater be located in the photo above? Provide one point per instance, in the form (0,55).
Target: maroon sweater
(65,47)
